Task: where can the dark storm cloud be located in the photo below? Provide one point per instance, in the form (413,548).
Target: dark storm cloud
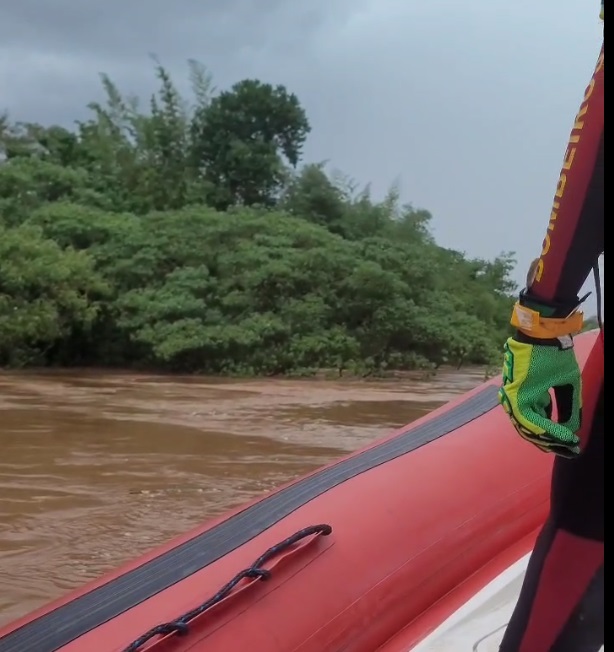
(115,29)
(225,34)
(55,50)
(467,104)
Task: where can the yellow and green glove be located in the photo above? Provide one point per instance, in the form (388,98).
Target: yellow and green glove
(539,364)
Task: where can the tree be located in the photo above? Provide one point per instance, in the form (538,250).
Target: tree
(313,196)
(27,182)
(244,139)
(46,293)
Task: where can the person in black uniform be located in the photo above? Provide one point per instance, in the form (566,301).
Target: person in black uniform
(560,608)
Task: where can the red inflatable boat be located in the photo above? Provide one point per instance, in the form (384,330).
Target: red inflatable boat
(376,551)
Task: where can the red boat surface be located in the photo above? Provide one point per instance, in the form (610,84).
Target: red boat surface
(372,552)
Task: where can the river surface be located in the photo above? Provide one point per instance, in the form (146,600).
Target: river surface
(96,469)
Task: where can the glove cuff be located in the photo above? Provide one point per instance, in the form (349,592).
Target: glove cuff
(556,309)
(546,323)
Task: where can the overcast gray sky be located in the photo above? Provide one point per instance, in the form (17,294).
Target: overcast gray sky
(467,105)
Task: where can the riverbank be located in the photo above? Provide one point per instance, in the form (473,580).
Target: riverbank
(483,371)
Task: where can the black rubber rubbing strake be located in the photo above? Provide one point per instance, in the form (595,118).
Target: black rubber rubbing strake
(53,630)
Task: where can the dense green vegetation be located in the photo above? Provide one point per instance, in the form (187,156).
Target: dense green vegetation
(187,236)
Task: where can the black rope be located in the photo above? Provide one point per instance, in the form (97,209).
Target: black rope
(181,624)
(598,296)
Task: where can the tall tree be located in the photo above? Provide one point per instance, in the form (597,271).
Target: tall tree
(244,140)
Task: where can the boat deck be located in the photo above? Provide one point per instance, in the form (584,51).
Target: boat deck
(479,625)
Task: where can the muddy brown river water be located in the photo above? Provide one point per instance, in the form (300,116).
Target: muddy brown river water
(96,469)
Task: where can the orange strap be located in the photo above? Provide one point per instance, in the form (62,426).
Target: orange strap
(531,323)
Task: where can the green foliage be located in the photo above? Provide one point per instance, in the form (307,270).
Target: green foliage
(241,140)
(46,294)
(187,237)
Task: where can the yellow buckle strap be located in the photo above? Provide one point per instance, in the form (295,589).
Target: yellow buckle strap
(531,323)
